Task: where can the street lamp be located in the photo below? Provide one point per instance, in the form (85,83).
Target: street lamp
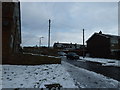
(40,41)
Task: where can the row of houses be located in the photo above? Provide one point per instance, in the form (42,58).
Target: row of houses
(98,45)
(67,46)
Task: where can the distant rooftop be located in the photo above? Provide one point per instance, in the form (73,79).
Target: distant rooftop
(9,0)
(67,43)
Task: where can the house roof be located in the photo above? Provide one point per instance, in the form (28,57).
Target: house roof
(9,0)
(104,35)
(67,43)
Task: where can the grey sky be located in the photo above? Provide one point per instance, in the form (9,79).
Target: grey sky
(67,20)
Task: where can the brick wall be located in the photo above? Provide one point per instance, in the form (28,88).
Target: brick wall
(11,30)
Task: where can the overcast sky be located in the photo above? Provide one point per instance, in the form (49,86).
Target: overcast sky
(67,21)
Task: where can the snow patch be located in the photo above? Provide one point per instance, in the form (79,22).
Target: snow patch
(105,62)
(18,76)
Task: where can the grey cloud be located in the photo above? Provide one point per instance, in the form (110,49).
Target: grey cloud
(66,19)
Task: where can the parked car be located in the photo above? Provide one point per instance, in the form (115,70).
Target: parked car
(61,53)
(72,55)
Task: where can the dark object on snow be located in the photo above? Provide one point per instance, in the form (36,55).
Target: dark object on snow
(72,55)
(55,86)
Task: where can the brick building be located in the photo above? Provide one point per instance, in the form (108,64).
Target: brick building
(11,29)
(104,45)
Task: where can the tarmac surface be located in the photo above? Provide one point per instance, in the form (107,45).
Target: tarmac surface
(88,79)
(109,71)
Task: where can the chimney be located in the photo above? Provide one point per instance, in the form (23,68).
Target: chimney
(100,32)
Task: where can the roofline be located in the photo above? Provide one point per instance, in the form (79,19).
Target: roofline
(91,37)
(9,1)
(104,35)
(68,43)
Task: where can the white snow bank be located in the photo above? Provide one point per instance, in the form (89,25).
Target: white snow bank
(105,62)
(89,79)
(17,76)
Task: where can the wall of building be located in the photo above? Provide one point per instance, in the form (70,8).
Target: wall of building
(114,43)
(98,46)
(0,32)
(115,47)
(11,29)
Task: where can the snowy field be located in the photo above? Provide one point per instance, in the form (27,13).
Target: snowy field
(17,76)
(105,62)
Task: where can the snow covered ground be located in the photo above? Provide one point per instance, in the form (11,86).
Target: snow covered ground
(67,75)
(88,79)
(17,76)
(105,62)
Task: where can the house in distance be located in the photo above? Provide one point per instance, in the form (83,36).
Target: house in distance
(104,45)
(70,47)
(67,46)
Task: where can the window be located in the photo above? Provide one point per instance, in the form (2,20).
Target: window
(112,45)
(114,40)
(5,23)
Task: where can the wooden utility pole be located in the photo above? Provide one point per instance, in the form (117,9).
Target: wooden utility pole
(49,34)
(83,45)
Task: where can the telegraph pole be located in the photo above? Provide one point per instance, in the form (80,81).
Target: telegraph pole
(49,34)
(83,45)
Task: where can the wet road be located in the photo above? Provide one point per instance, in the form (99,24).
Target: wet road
(109,71)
